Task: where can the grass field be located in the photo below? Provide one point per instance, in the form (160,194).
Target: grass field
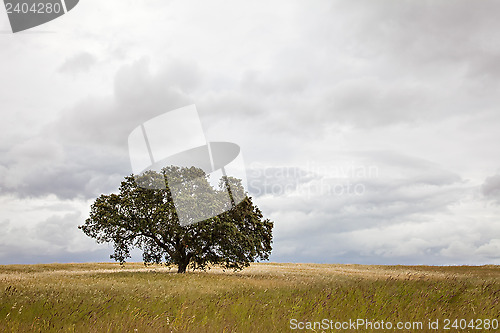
(262,298)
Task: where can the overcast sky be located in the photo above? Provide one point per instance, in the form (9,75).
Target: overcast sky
(369,129)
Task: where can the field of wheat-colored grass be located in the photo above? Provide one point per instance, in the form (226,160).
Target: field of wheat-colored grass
(105,297)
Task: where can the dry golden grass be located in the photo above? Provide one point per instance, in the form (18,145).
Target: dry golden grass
(102,297)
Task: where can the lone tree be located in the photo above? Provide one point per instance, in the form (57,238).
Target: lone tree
(147,219)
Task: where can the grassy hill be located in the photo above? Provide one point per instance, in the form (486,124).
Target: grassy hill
(262,298)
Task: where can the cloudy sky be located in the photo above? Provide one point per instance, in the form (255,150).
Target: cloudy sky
(369,129)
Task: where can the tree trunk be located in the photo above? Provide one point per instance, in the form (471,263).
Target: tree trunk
(182,266)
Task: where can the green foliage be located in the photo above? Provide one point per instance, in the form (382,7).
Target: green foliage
(145,217)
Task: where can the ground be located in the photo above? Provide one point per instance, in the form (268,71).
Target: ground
(266,297)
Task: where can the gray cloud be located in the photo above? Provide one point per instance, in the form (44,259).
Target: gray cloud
(331,212)
(314,94)
(81,62)
(54,239)
(491,188)
(84,152)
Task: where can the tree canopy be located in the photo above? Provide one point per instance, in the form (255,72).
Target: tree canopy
(144,216)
